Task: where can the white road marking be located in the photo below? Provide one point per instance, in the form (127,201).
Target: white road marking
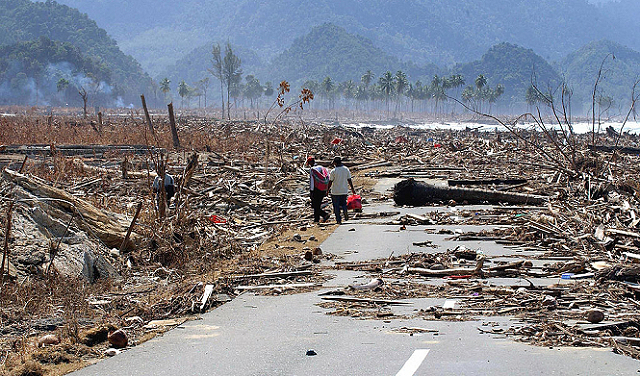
(412,365)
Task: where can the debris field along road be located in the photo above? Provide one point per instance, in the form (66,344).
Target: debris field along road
(304,334)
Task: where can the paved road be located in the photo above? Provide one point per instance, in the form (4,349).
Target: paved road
(270,335)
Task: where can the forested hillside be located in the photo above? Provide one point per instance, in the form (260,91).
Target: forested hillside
(23,20)
(620,69)
(423,31)
(328,50)
(46,72)
(515,68)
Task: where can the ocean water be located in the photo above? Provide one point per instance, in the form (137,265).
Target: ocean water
(579,127)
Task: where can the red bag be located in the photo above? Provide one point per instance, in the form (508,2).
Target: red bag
(354,202)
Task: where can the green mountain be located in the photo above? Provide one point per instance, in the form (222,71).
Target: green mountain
(328,50)
(620,70)
(23,20)
(423,31)
(48,72)
(516,68)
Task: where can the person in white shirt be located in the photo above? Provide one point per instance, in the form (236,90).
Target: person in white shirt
(169,188)
(339,184)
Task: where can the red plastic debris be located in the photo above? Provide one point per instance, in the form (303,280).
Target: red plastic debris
(336,141)
(215,219)
(466,276)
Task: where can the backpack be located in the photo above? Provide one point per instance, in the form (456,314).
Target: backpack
(320,178)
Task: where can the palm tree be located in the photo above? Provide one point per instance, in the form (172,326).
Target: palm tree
(183,91)
(481,81)
(386,85)
(360,95)
(216,70)
(367,77)
(495,94)
(481,94)
(349,91)
(401,82)
(437,91)
(327,87)
(165,86)
(232,74)
(203,84)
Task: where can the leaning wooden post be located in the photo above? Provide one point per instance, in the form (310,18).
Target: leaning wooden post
(133,222)
(174,131)
(5,256)
(146,115)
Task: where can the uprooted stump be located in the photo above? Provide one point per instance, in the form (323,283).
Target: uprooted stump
(416,193)
(110,228)
(60,231)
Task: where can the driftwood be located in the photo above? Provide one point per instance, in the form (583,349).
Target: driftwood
(458,182)
(283,287)
(415,193)
(108,227)
(71,150)
(448,272)
(365,300)
(110,171)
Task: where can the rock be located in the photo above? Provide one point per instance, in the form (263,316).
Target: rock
(96,335)
(118,339)
(134,320)
(297,238)
(49,339)
(308,255)
(594,316)
(631,331)
(312,238)
(317,251)
(112,352)
(549,302)
(311,352)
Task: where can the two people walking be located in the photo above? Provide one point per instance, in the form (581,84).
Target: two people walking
(337,182)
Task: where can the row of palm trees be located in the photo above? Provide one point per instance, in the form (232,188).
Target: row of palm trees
(389,92)
(396,88)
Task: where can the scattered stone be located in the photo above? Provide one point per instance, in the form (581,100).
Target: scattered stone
(112,352)
(594,316)
(311,352)
(118,339)
(49,339)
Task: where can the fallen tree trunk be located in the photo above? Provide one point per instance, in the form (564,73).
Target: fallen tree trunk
(449,272)
(415,193)
(71,150)
(108,227)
